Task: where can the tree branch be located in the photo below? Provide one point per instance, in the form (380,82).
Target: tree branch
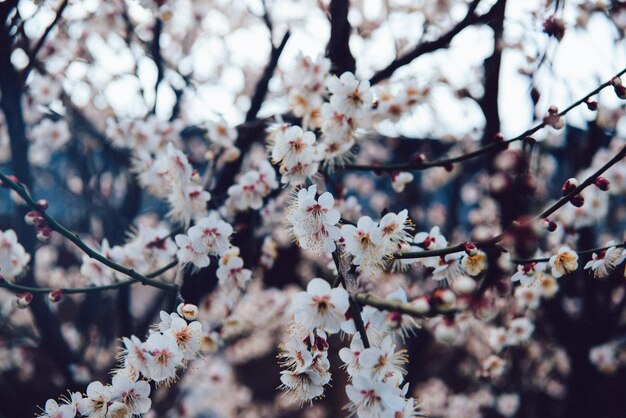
(495,146)
(338,48)
(261,88)
(547,212)
(470,19)
(16,288)
(395,306)
(32,54)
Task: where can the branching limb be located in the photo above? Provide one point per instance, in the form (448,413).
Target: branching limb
(91,289)
(338,48)
(56,226)
(32,54)
(262,86)
(424,48)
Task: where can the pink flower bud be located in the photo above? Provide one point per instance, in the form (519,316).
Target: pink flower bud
(42,205)
(11,178)
(418,159)
(31,217)
(619,87)
(470,248)
(569,186)
(602,183)
(549,225)
(446,332)
(444,299)
(55,296)
(553,119)
(44,234)
(22,300)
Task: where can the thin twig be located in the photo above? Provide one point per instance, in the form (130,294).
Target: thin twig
(423,48)
(341,263)
(547,212)
(443,162)
(581,252)
(262,86)
(33,52)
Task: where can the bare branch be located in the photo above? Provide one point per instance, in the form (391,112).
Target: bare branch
(424,48)
(261,88)
(338,48)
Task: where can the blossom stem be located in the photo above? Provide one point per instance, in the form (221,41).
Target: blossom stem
(343,267)
(56,226)
(547,212)
(68,291)
(581,252)
(496,146)
(395,306)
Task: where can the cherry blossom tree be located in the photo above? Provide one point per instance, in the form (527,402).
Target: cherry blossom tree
(281,208)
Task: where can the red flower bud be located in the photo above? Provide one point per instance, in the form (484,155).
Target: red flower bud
(22,300)
(569,186)
(591,104)
(377,172)
(55,296)
(577,200)
(470,248)
(602,183)
(530,140)
(553,26)
(549,225)
(31,217)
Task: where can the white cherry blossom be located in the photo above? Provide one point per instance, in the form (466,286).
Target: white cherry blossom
(320,306)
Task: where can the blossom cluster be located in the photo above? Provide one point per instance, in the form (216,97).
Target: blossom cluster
(150,248)
(375,372)
(251,188)
(450,267)
(370,242)
(318,313)
(13,258)
(174,342)
(294,150)
(314,220)
(169,175)
(209,236)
